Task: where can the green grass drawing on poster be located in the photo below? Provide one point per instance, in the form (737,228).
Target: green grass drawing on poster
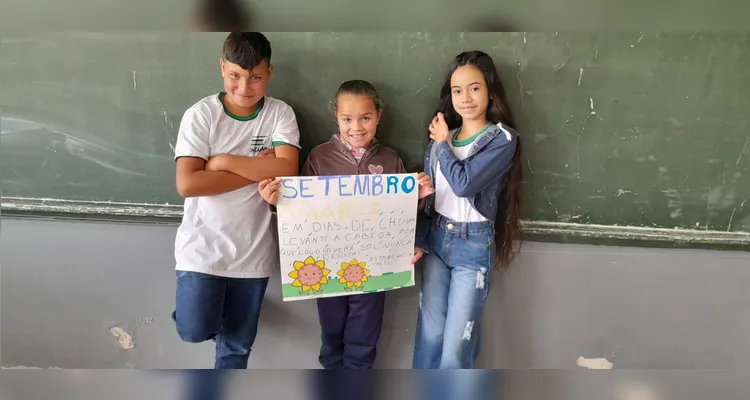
(374,283)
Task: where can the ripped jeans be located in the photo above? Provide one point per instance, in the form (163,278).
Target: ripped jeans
(456,280)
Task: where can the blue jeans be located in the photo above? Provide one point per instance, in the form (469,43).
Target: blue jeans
(459,384)
(201,384)
(226,310)
(456,280)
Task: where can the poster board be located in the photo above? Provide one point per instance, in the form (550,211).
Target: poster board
(346,235)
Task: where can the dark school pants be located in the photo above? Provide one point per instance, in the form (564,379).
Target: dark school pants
(350,328)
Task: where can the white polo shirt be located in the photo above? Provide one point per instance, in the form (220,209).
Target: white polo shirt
(230,234)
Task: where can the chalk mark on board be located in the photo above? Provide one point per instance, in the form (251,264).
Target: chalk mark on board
(78,148)
(580,76)
(639,39)
(528,161)
(518,76)
(742,206)
(567,58)
(708,207)
(729,226)
(562,125)
(578,140)
(549,200)
(76,145)
(742,152)
(578,157)
(135,83)
(429,80)
(166,119)
(423,87)
(596,49)
(621,192)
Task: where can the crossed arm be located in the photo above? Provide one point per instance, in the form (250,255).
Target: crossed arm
(226,172)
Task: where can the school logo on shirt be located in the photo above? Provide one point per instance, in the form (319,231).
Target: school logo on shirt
(257,144)
(375,169)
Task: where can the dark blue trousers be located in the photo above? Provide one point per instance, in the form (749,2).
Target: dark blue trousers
(223,309)
(350,328)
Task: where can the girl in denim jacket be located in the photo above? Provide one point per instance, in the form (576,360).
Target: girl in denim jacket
(469,224)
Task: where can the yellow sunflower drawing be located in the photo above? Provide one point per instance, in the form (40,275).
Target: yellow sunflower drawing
(353,273)
(309,274)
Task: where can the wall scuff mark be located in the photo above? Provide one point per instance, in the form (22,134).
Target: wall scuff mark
(124,340)
(594,363)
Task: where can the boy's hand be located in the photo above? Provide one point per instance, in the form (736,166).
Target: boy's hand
(269,190)
(425,185)
(221,162)
(439,129)
(417,255)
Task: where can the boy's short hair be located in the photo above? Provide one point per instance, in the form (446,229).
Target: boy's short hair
(247,49)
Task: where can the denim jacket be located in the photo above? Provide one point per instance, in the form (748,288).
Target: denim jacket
(479,177)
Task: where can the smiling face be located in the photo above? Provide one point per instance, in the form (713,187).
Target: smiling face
(357,118)
(354,273)
(244,88)
(469,93)
(310,274)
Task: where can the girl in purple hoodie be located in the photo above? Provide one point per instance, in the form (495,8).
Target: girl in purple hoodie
(351,325)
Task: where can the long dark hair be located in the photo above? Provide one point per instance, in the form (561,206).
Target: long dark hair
(511,200)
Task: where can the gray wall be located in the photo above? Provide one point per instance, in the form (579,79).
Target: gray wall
(65,283)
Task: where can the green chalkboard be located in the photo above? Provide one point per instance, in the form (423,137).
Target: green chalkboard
(630,129)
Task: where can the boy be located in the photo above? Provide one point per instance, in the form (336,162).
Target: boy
(225,249)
